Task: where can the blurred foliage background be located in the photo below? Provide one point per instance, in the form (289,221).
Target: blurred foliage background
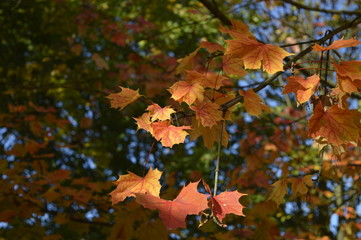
(61,146)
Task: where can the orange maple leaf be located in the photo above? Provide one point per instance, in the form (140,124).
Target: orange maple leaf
(337,45)
(237,30)
(303,88)
(207,113)
(337,125)
(350,69)
(253,103)
(169,134)
(210,135)
(183,91)
(211,47)
(207,79)
(232,65)
(254,54)
(159,113)
(174,213)
(347,85)
(130,184)
(186,62)
(144,122)
(122,99)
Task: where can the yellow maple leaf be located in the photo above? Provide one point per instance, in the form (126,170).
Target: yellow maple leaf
(279,191)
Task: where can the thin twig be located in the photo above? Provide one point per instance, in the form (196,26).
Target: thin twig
(216,171)
(299,5)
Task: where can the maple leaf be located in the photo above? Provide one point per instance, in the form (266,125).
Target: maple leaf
(174,213)
(254,54)
(207,113)
(169,134)
(232,65)
(122,99)
(159,113)
(227,202)
(303,88)
(100,62)
(144,122)
(207,79)
(211,47)
(337,45)
(299,185)
(253,103)
(237,30)
(347,85)
(350,69)
(183,91)
(186,62)
(130,184)
(337,125)
(210,135)
(279,191)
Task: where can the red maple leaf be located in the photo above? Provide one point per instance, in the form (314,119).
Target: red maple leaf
(174,213)
(225,203)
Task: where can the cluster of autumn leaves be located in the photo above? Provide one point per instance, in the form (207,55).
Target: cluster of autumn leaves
(189,201)
(204,92)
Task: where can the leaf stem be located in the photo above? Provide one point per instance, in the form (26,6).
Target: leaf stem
(147,159)
(216,171)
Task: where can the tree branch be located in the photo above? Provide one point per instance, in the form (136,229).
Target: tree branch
(299,5)
(237,99)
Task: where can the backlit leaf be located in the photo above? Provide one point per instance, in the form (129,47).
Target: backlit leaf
(174,213)
(337,125)
(122,99)
(144,122)
(227,202)
(207,79)
(350,69)
(207,113)
(255,54)
(159,113)
(183,91)
(130,184)
(337,45)
(169,134)
(186,62)
(303,88)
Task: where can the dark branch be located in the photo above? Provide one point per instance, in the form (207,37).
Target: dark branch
(296,4)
